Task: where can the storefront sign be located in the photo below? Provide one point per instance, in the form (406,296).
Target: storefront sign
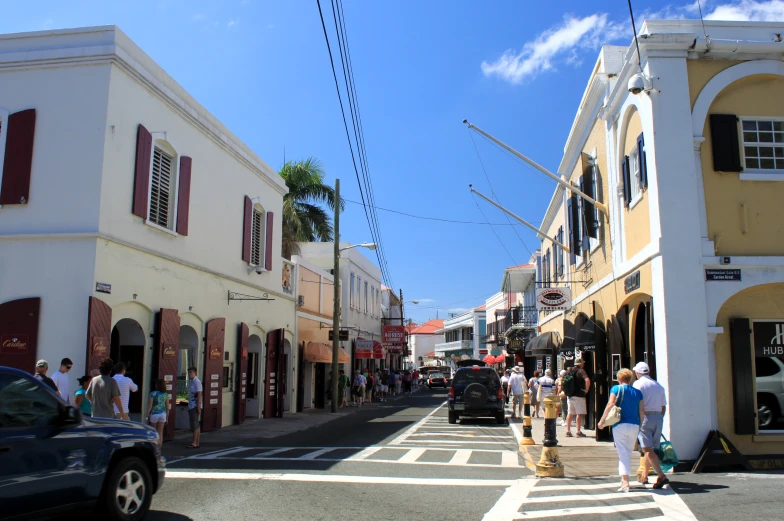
(14,344)
(553,299)
(169,378)
(364,345)
(342,335)
(539,364)
(515,346)
(215,353)
(100,287)
(632,282)
(768,338)
(169,351)
(100,347)
(394,335)
(713,275)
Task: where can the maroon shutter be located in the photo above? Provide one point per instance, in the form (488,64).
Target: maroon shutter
(167,347)
(141,185)
(247,229)
(268,246)
(99,332)
(19,333)
(18,163)
(212,382)
(242,372)
(271,380)
(184,195)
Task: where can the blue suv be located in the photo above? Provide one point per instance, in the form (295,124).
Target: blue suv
(53,460)
(476,391)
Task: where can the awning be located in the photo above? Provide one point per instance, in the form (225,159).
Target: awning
(322,353)
(586,337)
(567,346)
(543,345)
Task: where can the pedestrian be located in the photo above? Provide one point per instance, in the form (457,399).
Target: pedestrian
(654,407)
(60,379)
(533,386)
(505,385)
(40,373)
(103,392)
(195,391)
(343,384)
(127,386)
(546,386)
(580,385)
(392,382)
(415,379)
(398,382)
(407,382)
(94,373)
(379,394)
(369,386)
(359,387)
(80,397)
(158,406)
(625,431)
(517,386)
(564,404)
(384,385)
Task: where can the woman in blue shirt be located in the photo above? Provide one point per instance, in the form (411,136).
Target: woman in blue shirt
(626,430)
(80,399)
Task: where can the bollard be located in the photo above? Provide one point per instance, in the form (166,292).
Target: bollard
(527,437)
(549,465)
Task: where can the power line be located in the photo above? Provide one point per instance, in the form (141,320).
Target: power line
(493,229)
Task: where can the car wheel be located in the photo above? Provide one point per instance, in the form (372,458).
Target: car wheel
(128,492)
(453,417)
(767,412)
(500,418)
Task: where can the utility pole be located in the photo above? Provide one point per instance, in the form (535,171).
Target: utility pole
(336,303)
(405,340)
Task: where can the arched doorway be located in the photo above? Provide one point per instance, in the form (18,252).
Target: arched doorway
(284,375)
(253,403)
(127,346)
(188,356)
(643,345)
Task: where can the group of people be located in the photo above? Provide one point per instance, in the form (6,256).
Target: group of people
(515,384)
(367,386)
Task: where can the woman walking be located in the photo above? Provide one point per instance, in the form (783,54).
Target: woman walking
(625,431)
(80,399)
(562,396)
(533,386)
(158,406)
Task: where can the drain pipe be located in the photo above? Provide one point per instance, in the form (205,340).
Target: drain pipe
(707,45)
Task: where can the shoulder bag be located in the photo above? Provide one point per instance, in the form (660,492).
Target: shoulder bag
(614,416)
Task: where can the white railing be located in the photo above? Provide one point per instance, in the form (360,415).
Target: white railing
(451,346)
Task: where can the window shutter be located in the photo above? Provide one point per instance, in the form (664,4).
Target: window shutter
(627,187)
(570,218)
(18,164)
(725,143)
(268,238)
(589,213)
(643,162)
(141,186)
(742,376)
(184,195)
(247,229)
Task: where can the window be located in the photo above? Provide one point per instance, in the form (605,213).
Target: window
(366,297)
(372,300)
(559,255)
(594,242)
(257,237)
(763,144)
(359,293)
(162,188)
(25,403)
(634,175)
(352,300)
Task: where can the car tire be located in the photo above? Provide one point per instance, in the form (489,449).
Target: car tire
(767,411)
(127,493)
(453,417)
(500,418)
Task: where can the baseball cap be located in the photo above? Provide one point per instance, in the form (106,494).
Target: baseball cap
(42,363)
(579,361)
(641,368)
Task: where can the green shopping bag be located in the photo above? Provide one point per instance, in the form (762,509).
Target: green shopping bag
(668,458)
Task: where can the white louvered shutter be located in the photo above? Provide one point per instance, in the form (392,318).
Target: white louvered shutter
(161,188)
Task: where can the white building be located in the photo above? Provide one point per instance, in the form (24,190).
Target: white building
(131,219)
(463,336)
(422,340)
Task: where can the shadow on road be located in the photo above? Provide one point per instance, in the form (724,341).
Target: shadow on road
(685,487)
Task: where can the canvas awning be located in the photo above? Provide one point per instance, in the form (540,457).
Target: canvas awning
(586,336)
(322,353)
(567,346)
(543,345)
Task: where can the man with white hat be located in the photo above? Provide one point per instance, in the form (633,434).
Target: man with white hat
(655,405)
(517,387)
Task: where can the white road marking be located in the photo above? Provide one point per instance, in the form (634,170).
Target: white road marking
(219,454)
(457,434)
(509,459)
(439,442)
(316,453)
(364,454)
(414,427)
(578,486)
(586,497)
(271,452)
(327,478)
(580,511)
(672,505)
(461,457)
(508,504)
(411,456)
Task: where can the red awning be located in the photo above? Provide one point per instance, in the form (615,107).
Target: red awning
(322,353)
(378,350)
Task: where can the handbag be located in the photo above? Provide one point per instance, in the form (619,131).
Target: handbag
(668,458)
(614,416)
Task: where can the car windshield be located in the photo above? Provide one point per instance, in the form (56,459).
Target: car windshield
(436,375)
(484,377)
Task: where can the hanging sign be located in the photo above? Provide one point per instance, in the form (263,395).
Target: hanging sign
(631,282)
(342,335)
(394,335)
(553,299)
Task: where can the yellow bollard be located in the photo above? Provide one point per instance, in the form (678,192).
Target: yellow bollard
(527,437)
(549,465)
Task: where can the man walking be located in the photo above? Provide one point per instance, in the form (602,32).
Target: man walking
(577,406)
(60,379)
(342,386)
(359,387)
(505,385)
(126,386)
(103,391)
(517,386)
(194,407)
(40,373)
(655,404)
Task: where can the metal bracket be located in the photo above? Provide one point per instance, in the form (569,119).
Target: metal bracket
(239,296)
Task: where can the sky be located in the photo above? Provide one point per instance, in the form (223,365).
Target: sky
(516,69)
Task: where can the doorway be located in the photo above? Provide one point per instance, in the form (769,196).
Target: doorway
(320,397)
(644,348)
(127,346)
(284,376)
(253,404)
(188,356)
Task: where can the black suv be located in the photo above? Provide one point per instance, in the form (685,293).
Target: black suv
(53,460)
(476,391)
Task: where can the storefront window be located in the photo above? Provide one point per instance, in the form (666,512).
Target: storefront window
(769,374)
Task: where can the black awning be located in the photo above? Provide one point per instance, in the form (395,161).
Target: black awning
(529,347)
(543,345)
(567,346)
(586,337)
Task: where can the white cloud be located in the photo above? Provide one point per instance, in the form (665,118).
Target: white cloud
(748,10)
(555,44)
(233,22)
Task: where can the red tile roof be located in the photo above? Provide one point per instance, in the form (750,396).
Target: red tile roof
(428,328)
(481,308)
(519,266)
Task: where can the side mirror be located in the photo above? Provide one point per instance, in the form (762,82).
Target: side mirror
(72,416)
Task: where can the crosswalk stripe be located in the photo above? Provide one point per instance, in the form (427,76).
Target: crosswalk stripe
(509,459)
(458,435)
(271,452)
(576,486)
(316,453)
(411,456)
(220,454)
(447,442)
(581,511)
(365,453)
(586,497)
(460,457)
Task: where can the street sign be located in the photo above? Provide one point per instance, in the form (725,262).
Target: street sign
(343,335)
(714,275)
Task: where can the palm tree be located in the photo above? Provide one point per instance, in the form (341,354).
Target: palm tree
(303,219)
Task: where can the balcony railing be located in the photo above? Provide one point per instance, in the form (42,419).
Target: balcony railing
(487,339)
(451,346)
(521,316)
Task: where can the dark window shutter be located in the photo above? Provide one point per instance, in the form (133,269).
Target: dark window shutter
(643,161)
(627,186)
(725,143)
(268,236)
(540,272)
(247,229)
(589,212)
(141,186)
(184,195)
(742,376)
(571,216)
(18,163)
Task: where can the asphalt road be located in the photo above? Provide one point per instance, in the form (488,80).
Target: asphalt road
(402,460)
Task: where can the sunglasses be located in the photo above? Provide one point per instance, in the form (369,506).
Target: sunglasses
(68,367)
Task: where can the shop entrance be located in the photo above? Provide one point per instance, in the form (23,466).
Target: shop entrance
(127,346)
(284,375)
(188,356)
(644,346)
(253,403)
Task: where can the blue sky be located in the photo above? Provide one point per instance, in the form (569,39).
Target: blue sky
(516,69)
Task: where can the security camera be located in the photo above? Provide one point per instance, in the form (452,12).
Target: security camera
(259,269)
(637,83)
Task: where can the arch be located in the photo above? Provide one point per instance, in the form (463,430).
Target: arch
(286,366)
(128,345)
(721,81)
(193,320)
(255,372)
(136,311)
(130,332)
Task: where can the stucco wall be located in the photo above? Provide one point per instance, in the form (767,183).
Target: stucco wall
(637,228)
(701,72)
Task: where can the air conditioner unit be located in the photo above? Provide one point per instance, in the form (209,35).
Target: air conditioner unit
(301,300)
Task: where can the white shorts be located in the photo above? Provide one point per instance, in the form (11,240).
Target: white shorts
(384,388)
(158,418)
(577,405)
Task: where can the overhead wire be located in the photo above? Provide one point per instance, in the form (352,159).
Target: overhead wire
(493,229)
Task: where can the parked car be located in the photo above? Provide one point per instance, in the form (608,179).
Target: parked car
(53,460)
(475,392)
(436,380)
(770,392)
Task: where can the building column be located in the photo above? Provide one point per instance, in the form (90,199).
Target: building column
(713,332)
(706,242)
